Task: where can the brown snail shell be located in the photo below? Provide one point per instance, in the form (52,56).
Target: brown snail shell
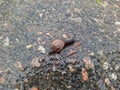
(57,45)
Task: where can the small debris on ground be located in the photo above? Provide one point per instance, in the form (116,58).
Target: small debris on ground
(1,71)
(72,61)
(88,63)
(54,68)
(107,81)
(84,74)
(2,80)
(18,65)
(100,53)
(72,52)
(29,46)
(39,33)
(113,76)
(76,44)
(1,37)
(64,36)
(105,65)
(6,41)
(117,23)
(71,68)
(34,88)
(48,34)
(112,88)
(36,62)
(92,54)
(42,49)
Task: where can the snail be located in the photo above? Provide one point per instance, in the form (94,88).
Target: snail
(58,44)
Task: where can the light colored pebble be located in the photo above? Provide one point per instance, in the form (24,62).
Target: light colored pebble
(64,36)
(100,53)
(16,89)
(29,46)
(72,69)
(1,37)
(92,54)
(68,86)
(88,63)
(1,71)
(105,65)
(117,23)
(2,80)
(17,40)
(54,68)
(42,49)
(49,34)
(6,41)
(63,72)
(118,29)
(39,33)
(107,81)
(112,88)
(35,62)
(18,65)
(113,76)
(72,61)
(117,66)
(41,15)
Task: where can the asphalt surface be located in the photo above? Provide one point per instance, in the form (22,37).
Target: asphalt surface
(27,27)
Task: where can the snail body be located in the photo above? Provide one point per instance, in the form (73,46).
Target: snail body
(58,44)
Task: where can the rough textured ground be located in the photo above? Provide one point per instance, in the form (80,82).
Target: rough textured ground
(27,28)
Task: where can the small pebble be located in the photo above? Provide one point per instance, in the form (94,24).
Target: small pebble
(84,74)
(18,65)
(6,41)
(88,63)
(117,23)
(68,86)
(34,88)
(77,44)
(41,15)
(29,46)
(113,76)
(107,81)
(63,72)
(71,68)
(72,52)
(105,65)
(16,89)
(117,67)
(100,53)
(1,71)
(2,80)
(39,33)
(64,36)
(72,61)
(1,38)
(92,54)
(36,62)
(48,34)
(42,49)
(112,88)
(54,68)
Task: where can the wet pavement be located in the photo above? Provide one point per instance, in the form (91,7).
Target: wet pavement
(91,62)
